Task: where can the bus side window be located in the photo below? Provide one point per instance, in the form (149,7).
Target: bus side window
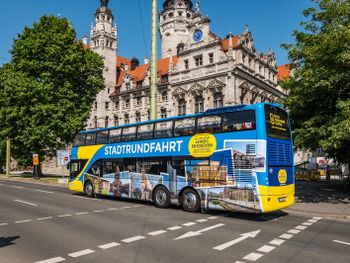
(145,132)
(102,137)
(130,165)
(114,136)
(163,129)
(90,139)
(209,124)
(129,134)
(238,121)
(95,169)
(185,127)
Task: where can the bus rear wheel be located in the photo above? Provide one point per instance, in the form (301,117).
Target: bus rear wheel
(190,200)
(89,189)
(161,197)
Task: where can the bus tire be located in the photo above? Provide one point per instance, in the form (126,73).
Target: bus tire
(89,189)
(190,200)
(161,197)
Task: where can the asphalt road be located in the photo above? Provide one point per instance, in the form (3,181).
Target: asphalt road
(49,224)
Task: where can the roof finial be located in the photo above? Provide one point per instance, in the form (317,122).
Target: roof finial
(246,29)
(104,3)
(198,4)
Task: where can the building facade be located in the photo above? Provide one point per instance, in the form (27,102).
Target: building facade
(198,70)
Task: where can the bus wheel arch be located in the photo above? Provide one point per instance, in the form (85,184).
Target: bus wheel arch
(189,199)
(161,196)
(89,190)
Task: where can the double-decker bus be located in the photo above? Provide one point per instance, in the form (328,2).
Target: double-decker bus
(237,158)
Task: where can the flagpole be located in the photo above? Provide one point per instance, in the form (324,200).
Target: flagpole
(154,75)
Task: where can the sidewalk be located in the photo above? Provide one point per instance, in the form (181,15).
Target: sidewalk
(57,181)
(319,198)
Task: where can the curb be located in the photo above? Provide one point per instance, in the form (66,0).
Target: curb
(23,180)
(338,217)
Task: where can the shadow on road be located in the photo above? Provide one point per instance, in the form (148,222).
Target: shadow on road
(8,241)
(322,192)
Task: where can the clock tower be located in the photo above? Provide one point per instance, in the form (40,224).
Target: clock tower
(173,25)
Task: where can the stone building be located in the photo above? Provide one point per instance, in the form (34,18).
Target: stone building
(198,70)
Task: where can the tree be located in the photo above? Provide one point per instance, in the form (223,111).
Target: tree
(47,90)
(319,90)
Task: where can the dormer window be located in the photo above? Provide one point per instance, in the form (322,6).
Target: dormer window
(211,58)
(186,63)
(180,13)
(198,60)
(127,86)
(171,15)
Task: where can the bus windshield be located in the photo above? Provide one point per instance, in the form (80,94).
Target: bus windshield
(277,123)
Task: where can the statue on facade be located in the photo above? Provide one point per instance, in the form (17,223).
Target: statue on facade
(104,3)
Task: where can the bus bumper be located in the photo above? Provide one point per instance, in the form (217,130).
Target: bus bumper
(276,198)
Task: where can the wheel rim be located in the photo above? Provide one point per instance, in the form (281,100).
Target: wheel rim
(161,197)
(88,189)
(190,200)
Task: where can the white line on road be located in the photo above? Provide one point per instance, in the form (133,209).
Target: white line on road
(300,227)
(109,245)
(23,221)
(81,253)
(173,228)
(286,236)
(189,224)
(199,232)
(133,239)
(239,261)
(82,197)
(43,191)
(242,237)
(1,184)
(113,208)
(253,256)
(307,224)
(81,213)
(135,206)
(15,186)
(266,248)
(312,220)
(99,211)
(44,218)
(317,218)
(52,260)
(65,215)
(202,220)
(212,217)
(277,241)
(24,202)
(293,231)
(125,207)
(341,242)
(156,233)
(4,224)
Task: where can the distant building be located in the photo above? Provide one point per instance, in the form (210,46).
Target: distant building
(198,70)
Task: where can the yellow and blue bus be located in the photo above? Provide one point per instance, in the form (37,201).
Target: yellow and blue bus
(237,158)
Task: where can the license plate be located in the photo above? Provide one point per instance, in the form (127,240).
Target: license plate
(282,199)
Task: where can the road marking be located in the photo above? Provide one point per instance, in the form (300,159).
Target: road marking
(317,218)
(99,211)
(342,242)
(44,218)
(133,239)
(156,233)
(253,256)
(82,197)
(113,208)
(135,206)
(202,220)
(312,220)
(212,217)
(277,241)
(189,224)
(81,213)
(286,236)
(65,215)
(24,202)
(293,231)
(4,224)
(239,261)
(300,227)
(173,228)
(125,207)
(266,248)
(307,224)
(18,187)
(81,253)
(43,191)
(23,221)
(109,245)
(199,232)
(1,184)
(52,260)
(244,236)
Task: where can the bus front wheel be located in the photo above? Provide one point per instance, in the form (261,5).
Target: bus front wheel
(161,197)
(89,189)
(190,200)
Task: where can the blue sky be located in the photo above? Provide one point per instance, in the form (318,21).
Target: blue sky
(271,22)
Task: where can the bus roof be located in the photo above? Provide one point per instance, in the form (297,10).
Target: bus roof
(222,110)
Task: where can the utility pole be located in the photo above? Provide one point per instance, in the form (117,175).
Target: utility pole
(154,70)
(8,157)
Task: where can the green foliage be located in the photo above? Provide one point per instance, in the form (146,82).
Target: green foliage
(46,92)
(319,90)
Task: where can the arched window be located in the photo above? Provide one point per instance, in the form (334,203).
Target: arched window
(199,104)
(126,119)
(218,100)
(181,108)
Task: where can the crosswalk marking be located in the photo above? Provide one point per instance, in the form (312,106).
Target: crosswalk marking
(277,241)
(253,256)
(266,248)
